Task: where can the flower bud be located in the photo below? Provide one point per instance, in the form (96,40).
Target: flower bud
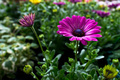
(41,36)
(44,66)
(27,69)
(71,60)
(47,51)
(115,62)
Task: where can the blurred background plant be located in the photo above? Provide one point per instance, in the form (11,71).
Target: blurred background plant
(16,50)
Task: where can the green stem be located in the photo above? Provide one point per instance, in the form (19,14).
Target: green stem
(76,52)
(76,55)
(37,38)
(88,63)
(34,76)
(39,43)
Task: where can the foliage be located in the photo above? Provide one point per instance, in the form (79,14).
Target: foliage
(14,50)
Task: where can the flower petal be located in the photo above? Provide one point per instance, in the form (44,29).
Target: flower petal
(90,26)
(82,22)
(79,38)
(97,27)
(92,31)
(73,38)
(65,25)
(83,42)
(95,35)
(67,35)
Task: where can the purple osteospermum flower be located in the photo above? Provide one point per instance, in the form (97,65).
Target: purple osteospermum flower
(27,20)
(75,1)
(79,28)
(102,13)
(59,3)
(113,5)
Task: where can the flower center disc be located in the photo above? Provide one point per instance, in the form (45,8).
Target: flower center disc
(109,72)
(78,32)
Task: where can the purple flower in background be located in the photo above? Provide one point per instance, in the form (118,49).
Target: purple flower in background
(113,5)
(75,1)
(79,28)
(102,13)
(59,3)
(27,20)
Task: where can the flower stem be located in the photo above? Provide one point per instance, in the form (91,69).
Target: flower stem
(88,63)
(34,76)
(76,55)
(76,52)
(38,40)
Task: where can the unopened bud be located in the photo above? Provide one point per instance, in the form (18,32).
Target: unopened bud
(44,66)
(27,69)
(71,60)
(115,62)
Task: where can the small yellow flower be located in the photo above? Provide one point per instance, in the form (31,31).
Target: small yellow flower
(35,1)
(44,11)
(54,10)
(109,72)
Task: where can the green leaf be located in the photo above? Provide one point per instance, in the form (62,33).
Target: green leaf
(10,51)
(2,53)
(50,43)
(38,70)
(99,57)
(34,45)
(29,38)
(52,54)
(2,40)
(5,36)
(12,40)
(82,55)
(80,76)
(91,66)
(66,67)
(8,65)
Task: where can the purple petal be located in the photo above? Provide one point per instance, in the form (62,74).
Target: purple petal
(61,28)
(93,31)
(73,38)
(90,26)
(74,20)
(83,42)
(79,38)
(67,35)
(82,22)
(97,27)
(87,38)
(65,25)
(95,35)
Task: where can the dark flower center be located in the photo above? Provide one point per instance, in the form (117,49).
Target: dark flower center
(78,33)
(109,72)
